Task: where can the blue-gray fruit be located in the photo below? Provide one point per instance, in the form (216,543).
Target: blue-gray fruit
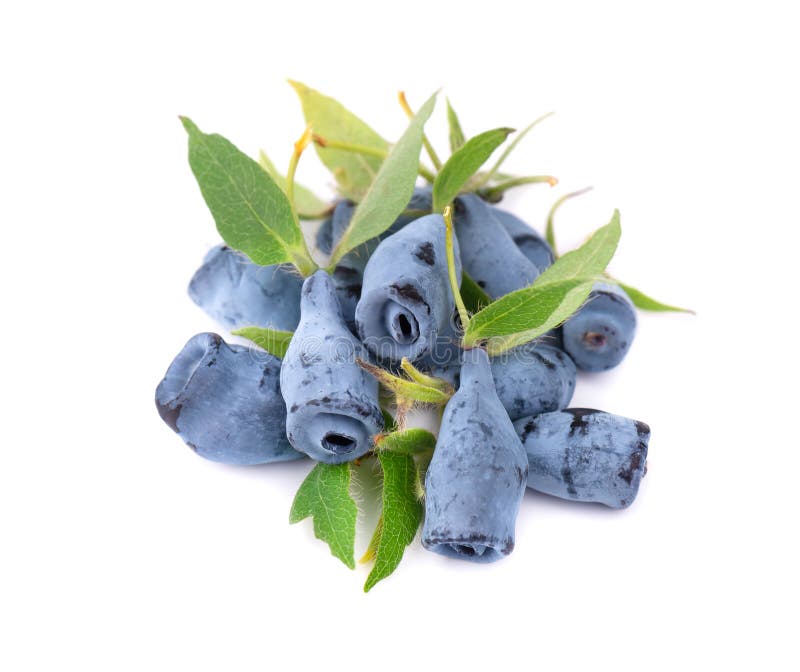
(489,255)
(349,272)
(585,455)
(238,293)
(600,334)
(476,478)
(333,409)
(533,378)
(406,300)
(529,242)
(225,402)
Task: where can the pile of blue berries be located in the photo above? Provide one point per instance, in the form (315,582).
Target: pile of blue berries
(389,306)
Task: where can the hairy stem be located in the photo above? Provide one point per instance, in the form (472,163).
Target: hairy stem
(366,151)
(463,314)
(495,193)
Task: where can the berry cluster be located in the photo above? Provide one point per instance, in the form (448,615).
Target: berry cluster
(386,324)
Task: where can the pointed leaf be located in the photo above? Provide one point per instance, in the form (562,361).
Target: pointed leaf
(473,295)
(406,441)
(407,389)
(645,302)
(330,119)
(527,313)
(400,518)
(307,203)
(273,341)
(251,211)
(325,496)
(391,190)
(422,378)
(464,163)
(456,134)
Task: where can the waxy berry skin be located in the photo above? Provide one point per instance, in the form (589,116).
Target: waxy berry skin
(225,402)
(348,275)
(238,293)
(406,299)
(585,455)
(488,253)
(476,479)
(533,378)
(600,334)
(529,242)
(332,403)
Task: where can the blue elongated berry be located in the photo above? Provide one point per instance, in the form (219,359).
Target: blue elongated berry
(349,272)
(333,409)
(585,455)
(529,379)
(238,293)
(600,334)
(225,402)
(406,299)
(529,242)
(489,255)
(476,478)
(533,378)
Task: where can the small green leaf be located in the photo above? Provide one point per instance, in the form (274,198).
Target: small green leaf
(556,294)
(463,164)
(407,389)
(493,172)
(307,203)
(422,378)
(325,496)
(252,213)
(329,118)
(391,190)
(273,341)
(456,134)
(472,293)
(400,518)
(406,441)
(645,302)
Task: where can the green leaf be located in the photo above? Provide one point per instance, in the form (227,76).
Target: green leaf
(406,441)
(473,295)
(645,302)
(252,213)
(463,164)
(400,518)
(407,389)
(422,378)
(325,496)
(273,341)
(307,203)
(493,172)
(391,190)
(329,118)
(556,294)
(456,134)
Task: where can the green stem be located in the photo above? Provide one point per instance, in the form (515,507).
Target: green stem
(550,234)
(488,176)
(495,193)
(437,164)
(367,151)
(463,314)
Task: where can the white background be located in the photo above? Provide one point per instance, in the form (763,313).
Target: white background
(122,550)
